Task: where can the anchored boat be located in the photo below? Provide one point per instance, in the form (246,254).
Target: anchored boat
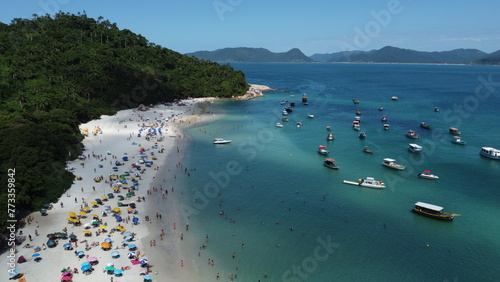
(329,163)
(390,163)
(433,211)
(491,153)
(369,182)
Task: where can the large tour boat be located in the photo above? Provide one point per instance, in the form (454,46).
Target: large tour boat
(491,153)
(391,163)
(414,148)
(433,211)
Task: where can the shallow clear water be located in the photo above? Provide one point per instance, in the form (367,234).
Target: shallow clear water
(270,174)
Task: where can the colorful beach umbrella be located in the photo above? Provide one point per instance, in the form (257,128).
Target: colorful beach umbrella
(35,255)
(115,254)
(91,259)
(132,246)
(86,267)
(108,240)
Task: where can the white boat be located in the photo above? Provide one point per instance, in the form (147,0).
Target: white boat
(386,126)
(384,118)
(394,98)
(322,150)
(490,152)
(412,134)
(356,127)
(427,175)
(458,140)
(414,148)
(221,141)
(310,115)
(282,102)
(362,135)
(330,137)
(285,119)
(279,124)
(390,163)
(369,182)
(284,112)
(299,124)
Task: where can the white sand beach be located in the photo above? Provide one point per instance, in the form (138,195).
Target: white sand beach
(118,154)
(117,138)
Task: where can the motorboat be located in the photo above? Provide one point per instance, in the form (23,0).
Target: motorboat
(369,182)
(221,141)
(289,109)
(366,150)
(458,140)
(454,131)
(355,125)
(330,137)
(279,125)
(384,118)
(362,135)
(299,124)
(391,163)
(433,211)
(285,119)
(412,134)
(310,115)
(322,150)
(386,126)
(380,108)
(424,125)
(282,102)
(355,101)
(292,104)
(436,109)
(329,163)
(304,99)
(427,175)
(414,148)
(394,98)
(284,112)
(358,112)
(357,118)
(329,128)
(491,153)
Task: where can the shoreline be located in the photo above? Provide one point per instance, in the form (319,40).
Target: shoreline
(101,151)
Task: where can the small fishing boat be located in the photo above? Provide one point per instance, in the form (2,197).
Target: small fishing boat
(355,101)
(329,128)
(490,152)
(369,182)
(357,118)
(414,148)
(433,211)
(384,118)
(221,141)
(322,150)
(424,125)
(412,134)
(454,131)
(330,137)
(428,175)
(358,112)
(310,115)
(436,109)
(362,135)
(458,140)
(299,124)
(386,126)
(282,102)
(380,108)
(394,98)
(391,163)
(329,163)
(285,119)
(366,150)
(279,125)
(284,112)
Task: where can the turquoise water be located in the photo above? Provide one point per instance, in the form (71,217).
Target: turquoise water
(343,232)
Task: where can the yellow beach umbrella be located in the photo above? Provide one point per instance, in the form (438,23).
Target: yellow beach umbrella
(87,232)
(86,208)
(104,197)
(70,219)
(117,209)
(95,215)
(94,203)
(103,227)
(83,213)
(116,188)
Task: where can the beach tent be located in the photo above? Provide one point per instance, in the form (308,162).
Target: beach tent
(21,259)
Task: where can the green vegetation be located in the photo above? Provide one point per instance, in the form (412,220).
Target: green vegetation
(57,72)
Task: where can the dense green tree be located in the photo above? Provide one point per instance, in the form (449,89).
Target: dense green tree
(59,71)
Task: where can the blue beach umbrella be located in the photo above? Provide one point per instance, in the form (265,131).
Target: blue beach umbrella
(147,277)
(132,246)
(127,233)
(144,261)
(14,272)
(67,245)
(35,255)
(115,254)
(118,271)
(86,267)
(118,218)
(85,263)
(135,220)
(107,240)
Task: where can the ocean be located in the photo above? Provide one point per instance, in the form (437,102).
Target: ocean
(273,212)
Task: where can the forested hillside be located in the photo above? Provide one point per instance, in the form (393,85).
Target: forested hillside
(59,71)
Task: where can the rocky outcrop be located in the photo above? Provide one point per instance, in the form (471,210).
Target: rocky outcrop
(254,91)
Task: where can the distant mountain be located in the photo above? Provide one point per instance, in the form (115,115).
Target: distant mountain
(330,56)
(391,54)
(257,55)
(490,59)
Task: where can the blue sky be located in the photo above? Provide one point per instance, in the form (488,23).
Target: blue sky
(314,26)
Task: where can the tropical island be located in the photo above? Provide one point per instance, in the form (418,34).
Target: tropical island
(59,71)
